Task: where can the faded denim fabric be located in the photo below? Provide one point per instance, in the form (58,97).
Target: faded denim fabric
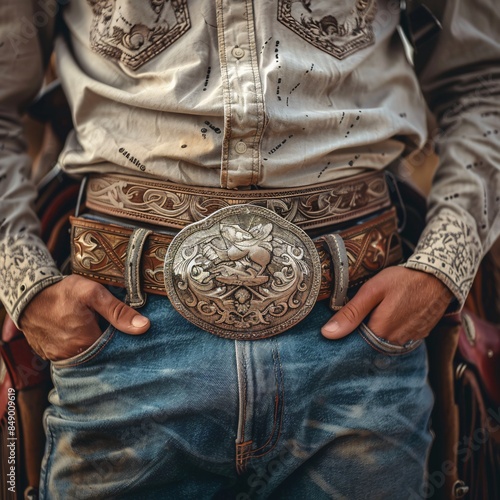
(177,412)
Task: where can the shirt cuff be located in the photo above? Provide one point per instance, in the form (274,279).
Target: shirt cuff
(450,250)
(26,268)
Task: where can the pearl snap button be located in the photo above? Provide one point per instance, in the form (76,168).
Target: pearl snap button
(238,52)
(240,147)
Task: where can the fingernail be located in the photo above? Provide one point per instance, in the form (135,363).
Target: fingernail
(139,321)
(331,327)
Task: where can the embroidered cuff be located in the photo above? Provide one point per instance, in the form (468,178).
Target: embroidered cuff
(26,268)
(450,250)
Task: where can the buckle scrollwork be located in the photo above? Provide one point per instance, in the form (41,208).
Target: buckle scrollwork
(243,273)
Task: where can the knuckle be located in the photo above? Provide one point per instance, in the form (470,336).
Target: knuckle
(93,291)
(371,288)
(85,288)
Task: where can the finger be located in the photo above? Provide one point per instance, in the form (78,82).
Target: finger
(347,319)
(121,316)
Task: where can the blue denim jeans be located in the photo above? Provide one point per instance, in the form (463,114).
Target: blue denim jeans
(180,413)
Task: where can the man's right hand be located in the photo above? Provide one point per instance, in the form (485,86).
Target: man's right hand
(61,321)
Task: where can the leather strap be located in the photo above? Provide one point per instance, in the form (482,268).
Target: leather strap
(99,252)
(175,206)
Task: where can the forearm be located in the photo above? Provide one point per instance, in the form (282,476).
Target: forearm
(463,216)
(25,264)
(462,86)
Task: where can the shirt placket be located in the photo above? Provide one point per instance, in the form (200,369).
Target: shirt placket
(244,115)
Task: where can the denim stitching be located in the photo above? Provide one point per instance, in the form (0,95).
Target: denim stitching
(48,453)
(280,392)
(242,448)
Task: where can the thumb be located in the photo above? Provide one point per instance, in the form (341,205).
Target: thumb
(119,314)
(348,318)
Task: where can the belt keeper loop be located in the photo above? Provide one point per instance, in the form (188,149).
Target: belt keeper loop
(135,297)
(80,198)
(340,264)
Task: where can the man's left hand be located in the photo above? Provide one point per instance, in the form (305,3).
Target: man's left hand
(402,305)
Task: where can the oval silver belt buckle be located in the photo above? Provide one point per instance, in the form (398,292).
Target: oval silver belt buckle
(243,273)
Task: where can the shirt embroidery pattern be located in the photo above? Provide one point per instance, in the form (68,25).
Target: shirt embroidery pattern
(339,30)
(134,33)
(446,240)
(23,262)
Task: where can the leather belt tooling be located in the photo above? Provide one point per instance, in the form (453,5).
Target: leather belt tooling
(175,206)
(242,272)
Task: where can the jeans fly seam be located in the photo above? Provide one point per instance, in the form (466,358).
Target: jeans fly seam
(242,444)
(245,397)
(275,412)
(278,409)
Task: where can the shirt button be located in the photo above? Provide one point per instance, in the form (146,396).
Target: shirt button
(238,52)
(240,147)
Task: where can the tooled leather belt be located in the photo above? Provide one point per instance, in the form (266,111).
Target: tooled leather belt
(243,271)
(176,206)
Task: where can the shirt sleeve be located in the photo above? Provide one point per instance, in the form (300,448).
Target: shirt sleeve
(461,82)
(26,266)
